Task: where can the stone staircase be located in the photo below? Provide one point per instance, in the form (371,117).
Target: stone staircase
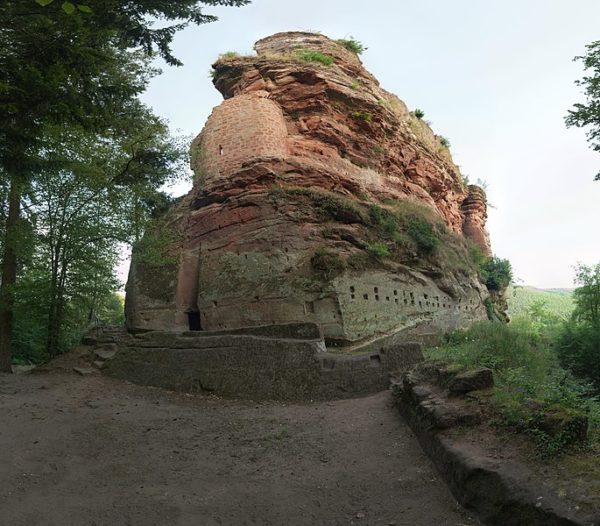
(98,346)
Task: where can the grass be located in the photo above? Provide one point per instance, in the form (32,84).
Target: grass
(365,116)
(308,55)
(353,45)
(529,381)
(327,265)
(400,231)
(228,55)
(378,251)
(444,141)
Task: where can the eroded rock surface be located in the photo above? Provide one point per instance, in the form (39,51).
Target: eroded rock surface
(318,197)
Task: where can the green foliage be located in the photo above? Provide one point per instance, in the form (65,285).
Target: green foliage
(229,55)
(309,55)
(587,295)
(377,251)
(578,348)
(496,273)
(327,265)
(422,233)
(419,114)
(365,116)
(353,45)
(543,305)
(71,76)
(355,84)
(444,141)
(578,344)
(378,149)
(587,115)
(529,379)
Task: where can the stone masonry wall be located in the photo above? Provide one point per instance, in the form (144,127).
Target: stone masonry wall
(238,131)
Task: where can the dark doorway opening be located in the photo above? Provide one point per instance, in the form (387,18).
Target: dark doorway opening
(194,321)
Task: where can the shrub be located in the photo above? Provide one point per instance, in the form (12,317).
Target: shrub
(378,149)
(309,55)
(355,84)
(419,114)
(327,265)
(422,233)
(444,141)
(352,45)
(377,251)
(578,349)
(496,273)
(384,220)
(365,116)
(529,380)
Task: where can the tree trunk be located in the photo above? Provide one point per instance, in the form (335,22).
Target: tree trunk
(9,272)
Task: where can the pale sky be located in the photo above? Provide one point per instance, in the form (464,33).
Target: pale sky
(496,77)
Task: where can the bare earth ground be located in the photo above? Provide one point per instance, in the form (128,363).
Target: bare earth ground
(95,451)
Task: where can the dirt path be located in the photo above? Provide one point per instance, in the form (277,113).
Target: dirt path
(94,451)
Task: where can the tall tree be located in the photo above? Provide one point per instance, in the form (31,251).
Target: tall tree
(64,68)
(587,115)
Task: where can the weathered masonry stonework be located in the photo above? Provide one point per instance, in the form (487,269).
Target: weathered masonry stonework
(240,130)
(286,223)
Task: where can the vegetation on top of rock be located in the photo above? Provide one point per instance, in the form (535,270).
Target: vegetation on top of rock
(496,273)
(365,116)
(378,251)
(309,55)
(352,45)
(444,141)
(229,55)
(395,225)
(418,113)
(327,265)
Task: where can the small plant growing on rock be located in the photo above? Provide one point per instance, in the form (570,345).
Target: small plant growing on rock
(444,141)
(355,84)
(365,116)
(378,149)
(309,55)
(327,265)
(422,233)
(419,114)
(351,44)
(229,55)
(377,251)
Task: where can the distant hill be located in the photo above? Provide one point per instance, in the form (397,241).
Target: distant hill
(558,301)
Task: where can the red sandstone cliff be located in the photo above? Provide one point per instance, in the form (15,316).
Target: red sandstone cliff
(310,183)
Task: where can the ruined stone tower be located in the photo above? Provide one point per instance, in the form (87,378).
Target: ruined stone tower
(318,197)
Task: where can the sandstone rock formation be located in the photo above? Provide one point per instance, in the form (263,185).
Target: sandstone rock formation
(318,197)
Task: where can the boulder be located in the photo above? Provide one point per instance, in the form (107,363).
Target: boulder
(471,380)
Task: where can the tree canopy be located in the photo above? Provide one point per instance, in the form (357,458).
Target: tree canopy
(587,114)
(70,77)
